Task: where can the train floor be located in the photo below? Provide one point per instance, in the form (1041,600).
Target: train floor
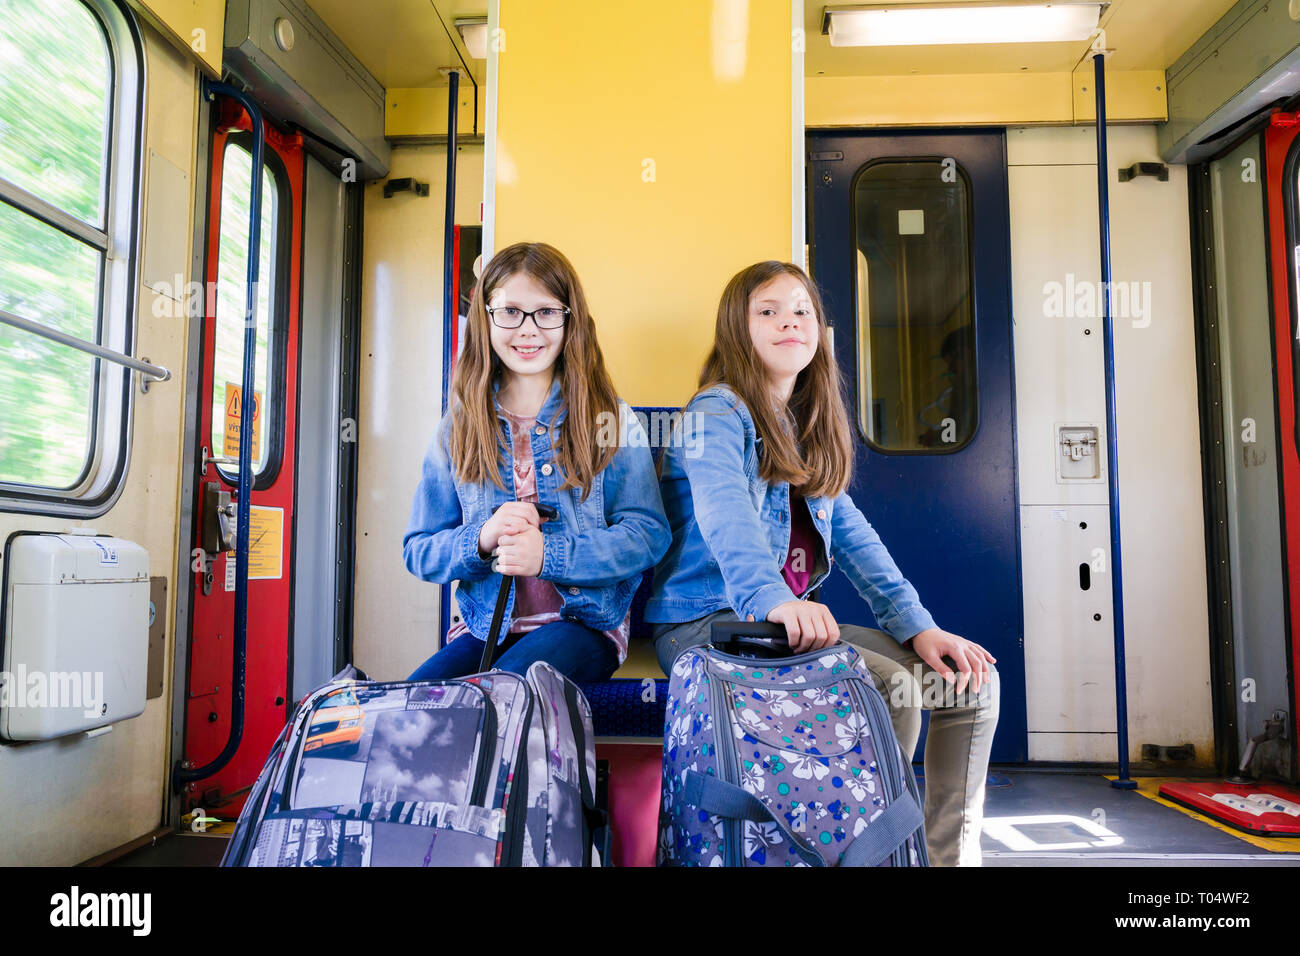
(1031,818)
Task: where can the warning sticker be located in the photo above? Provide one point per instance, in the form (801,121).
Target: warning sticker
(266,543)
(265,547)
(233,418)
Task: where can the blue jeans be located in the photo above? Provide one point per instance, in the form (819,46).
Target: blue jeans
(573,649)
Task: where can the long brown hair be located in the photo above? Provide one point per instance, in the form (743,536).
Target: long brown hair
(814,454)
(477,449)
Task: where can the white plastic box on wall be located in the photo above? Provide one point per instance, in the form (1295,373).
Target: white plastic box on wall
(75,632)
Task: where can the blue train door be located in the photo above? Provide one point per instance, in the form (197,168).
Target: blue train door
(911,251)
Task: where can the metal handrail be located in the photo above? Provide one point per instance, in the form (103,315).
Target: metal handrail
(1122,781)
(81,345)
(183,773)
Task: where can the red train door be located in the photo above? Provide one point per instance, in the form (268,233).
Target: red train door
(1282,162)
(220,408)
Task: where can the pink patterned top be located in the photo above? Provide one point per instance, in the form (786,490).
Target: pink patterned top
(537,602)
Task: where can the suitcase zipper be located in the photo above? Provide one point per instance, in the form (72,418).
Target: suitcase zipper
(487,746)
(727,764)
(517,794)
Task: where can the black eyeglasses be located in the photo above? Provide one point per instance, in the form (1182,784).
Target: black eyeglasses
(508,317)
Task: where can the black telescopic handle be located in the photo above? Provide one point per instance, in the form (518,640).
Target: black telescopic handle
(770,640)
(503,598)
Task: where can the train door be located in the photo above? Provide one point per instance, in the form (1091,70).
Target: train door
(1242,450)
(911,251)
(220,408)
(1282,164)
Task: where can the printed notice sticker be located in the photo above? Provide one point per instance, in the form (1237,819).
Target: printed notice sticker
(266,543)
(265,547)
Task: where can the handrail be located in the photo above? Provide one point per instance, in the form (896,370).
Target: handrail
(450,307)
(81,345)
(1112,430)
(182,773)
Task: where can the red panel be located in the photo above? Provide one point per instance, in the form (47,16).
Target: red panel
(635,777)
(1233,799)
(1278,139)
(455,294)
(208,707)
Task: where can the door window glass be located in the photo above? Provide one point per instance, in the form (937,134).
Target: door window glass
(232,286)
(915,303)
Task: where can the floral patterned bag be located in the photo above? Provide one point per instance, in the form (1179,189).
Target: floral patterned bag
(783,762)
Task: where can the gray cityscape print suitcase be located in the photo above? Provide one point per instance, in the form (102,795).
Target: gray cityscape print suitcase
(488,770)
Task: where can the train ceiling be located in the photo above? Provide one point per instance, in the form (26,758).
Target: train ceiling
(404,42)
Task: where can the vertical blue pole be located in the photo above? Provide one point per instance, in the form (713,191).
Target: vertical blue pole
(1112,451)
(450,307)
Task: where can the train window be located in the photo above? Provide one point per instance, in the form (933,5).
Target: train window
(70,130)
(916,345)
(232,291)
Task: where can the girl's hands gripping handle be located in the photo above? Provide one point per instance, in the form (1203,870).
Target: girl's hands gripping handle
(514,518)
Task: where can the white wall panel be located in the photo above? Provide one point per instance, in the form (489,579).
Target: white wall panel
(1059,378)
(395,614)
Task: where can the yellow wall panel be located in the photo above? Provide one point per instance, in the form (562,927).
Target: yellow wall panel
(655,151)
(1130,95)
(422,112)
(194,26)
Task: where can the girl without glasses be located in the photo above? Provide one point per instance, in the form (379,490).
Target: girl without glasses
(760,512)
(531,399)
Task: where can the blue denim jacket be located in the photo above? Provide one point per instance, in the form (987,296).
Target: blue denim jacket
(594,552)
(731,531)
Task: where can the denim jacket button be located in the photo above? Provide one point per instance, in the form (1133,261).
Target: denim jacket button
(539,430)
(546,468)
(574,591)
(821,513)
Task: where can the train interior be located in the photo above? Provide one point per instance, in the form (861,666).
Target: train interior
(987,289)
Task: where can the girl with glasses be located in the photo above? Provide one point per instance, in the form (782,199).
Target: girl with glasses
(529,423)
(760,515)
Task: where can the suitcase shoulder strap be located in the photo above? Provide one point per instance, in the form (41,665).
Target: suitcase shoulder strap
(887,832)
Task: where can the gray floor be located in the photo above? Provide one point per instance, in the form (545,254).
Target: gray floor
(1107,827)
(1031,819)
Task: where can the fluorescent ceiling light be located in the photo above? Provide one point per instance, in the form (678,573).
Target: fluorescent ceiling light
(935,23)
(474,32)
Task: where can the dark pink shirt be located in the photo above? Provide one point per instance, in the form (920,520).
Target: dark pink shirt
(804,542)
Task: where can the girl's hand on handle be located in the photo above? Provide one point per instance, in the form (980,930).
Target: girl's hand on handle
(972,660)
(520,552)
(511,518)
(809,626)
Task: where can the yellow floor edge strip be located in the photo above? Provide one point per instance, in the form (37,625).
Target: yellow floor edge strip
(1149,787)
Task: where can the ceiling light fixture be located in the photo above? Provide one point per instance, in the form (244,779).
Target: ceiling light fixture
(1000,21)
(473,30)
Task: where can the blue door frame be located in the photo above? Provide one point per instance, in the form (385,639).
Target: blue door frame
(950,520)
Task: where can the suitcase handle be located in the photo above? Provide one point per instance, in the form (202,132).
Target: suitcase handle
(503,597)
(760,638)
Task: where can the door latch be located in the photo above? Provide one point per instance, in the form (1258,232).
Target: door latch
(219,530)
(1076,449)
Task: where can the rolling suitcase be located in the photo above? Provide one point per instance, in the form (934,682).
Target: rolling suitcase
(488,770)
(774,759)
